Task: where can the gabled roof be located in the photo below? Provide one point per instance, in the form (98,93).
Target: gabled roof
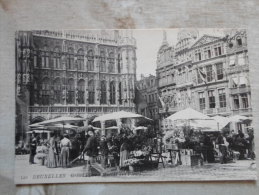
(205,39)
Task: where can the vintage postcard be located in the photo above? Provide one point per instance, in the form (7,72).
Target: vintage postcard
(133,106)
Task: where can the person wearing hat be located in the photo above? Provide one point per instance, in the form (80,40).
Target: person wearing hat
(65,145)
(91,147)
(33,146)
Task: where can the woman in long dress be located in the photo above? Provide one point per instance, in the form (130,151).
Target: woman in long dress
(124,152)
(51,158)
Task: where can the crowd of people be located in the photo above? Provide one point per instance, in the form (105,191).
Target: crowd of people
(62,150)
(228,144)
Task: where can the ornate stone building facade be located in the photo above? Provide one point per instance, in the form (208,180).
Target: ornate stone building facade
(76,73)
(209,74)
(148,89)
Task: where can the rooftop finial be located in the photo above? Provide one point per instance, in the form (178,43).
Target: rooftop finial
(164,37)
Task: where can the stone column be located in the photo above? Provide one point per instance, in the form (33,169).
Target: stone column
(133,123)
(206,95)
(216,98)
(102,127)
(249,100)
(108,92)
(240,101)
(117,92)
(86,92)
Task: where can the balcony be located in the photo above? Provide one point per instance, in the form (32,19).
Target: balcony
(216,111)
(237,69)
(77,109)
(242,111)
(238,90)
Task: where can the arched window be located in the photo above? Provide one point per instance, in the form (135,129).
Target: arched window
(103,92)
(46,91)
(90,61)
(70,63)
(71,91)
(120,93)
(239,41)
(80,59)
(118,63)
(91,88)
(81,91)
(56,58)
(111,63)
(112,93)
(57,91)
(102,62)
(45,58)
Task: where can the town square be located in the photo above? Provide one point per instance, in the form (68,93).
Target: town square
(133,105)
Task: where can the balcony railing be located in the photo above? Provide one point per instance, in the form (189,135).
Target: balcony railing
(78,109)
(240,90)
(215,111)
(247,111)
(237,69)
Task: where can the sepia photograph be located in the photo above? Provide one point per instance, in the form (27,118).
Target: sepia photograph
(133,106)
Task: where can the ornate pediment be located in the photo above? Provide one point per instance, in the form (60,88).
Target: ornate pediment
(204,40)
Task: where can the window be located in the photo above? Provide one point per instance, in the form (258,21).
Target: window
(112,93)
(207,53)
(222,98)
(71,91)
(244,100)
(56,59)
(111,63)
(57,91)
(46,92)
(199,76)
(209,73)
(103,93)
(120,93)
(198,56)
(241,59)
(45,59)
(212,102)
(217,51)
(80,60)
(90,61)
(202,100)
(236,101)
(70,62)
(239,41)
(91,94)
(102,62)
(81,91)
(219,68)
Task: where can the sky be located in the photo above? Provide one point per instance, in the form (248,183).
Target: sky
(149,41)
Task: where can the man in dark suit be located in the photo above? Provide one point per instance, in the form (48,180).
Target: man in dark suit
(33,146)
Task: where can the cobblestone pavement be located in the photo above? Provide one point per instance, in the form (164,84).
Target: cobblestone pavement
(240,170)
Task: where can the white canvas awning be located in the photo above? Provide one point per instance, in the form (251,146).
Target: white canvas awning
(239,119)
(118,115)
(235,80)
(188,114)
(242,81)
(59,120)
